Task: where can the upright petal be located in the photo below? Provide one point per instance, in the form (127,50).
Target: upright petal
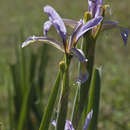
(88,26)
(50,41)
(124,34)
(72,40)
(98,8)
(87,121)
(46,27)
(56,21)
(92,7)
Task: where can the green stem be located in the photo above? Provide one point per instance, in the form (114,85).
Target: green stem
(63,104)
(24,108)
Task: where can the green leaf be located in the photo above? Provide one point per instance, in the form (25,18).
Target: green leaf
(94,98)
(51,102)
(24,108)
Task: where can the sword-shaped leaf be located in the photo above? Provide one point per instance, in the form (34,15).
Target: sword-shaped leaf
(46,119)
(94,97)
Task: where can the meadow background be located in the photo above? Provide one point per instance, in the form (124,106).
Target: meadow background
(111,54)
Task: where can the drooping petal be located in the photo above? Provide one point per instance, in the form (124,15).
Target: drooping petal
(79,54)
(109,25)
(56,21)
(87,121)
(46,27)
(73,41)
(83,76)
(124,34)
(71,23)
(50,41)
(89,25)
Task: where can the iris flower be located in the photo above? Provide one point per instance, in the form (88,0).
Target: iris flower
(68,45)
(96,9)
(69,125)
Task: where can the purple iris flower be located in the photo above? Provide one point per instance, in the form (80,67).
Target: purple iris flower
(97,8)
(68,45)
(69,125)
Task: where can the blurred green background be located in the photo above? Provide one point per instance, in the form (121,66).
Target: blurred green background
(111,54)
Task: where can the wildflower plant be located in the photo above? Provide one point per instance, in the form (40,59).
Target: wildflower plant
(88,29)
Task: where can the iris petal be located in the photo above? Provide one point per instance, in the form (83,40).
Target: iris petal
(89,25)
(53,123)
(73,41)
(124,34)
(56,21)
(87,121)
(68,125)
(50,41)
(79,54)
(98,8)
(83,76)
(46,27)
(94,7)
